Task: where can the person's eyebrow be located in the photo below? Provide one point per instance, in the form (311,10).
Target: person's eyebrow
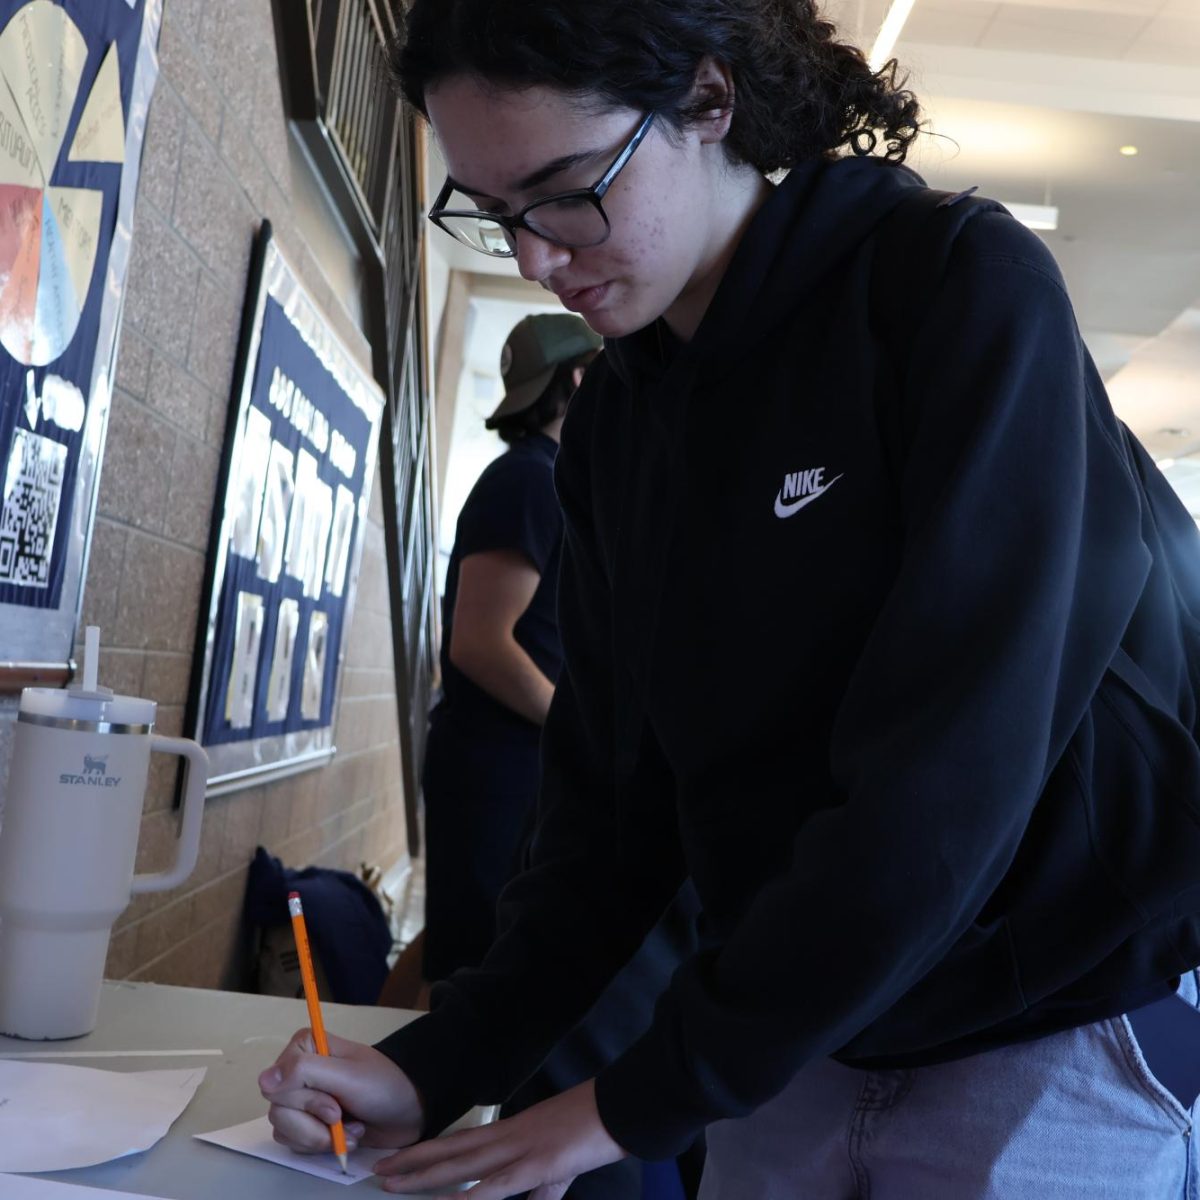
(557,167)
(536,178)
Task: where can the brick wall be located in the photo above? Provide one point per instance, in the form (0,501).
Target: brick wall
(217,160)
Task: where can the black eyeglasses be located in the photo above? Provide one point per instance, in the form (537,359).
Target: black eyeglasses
(573,219)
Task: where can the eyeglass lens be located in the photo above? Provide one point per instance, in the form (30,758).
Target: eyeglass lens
(482,235)
(576,223)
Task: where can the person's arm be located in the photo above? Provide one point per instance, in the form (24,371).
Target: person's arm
(495,587)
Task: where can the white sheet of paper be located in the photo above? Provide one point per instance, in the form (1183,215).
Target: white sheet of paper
(243,674)
(279,687)
(300,538)
(54,1117)
(251,478)
(277,502)
(22,1187)
(321,503)
(312,689)
(112,1054)
(255,1138)
(339,542)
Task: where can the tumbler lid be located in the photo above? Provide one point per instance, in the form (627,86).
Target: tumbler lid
(90,704)
(93,708)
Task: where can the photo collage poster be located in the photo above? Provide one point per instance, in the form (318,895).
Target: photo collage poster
(76,78)
(301,459)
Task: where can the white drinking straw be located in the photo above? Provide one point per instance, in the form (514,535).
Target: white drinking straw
(91,657)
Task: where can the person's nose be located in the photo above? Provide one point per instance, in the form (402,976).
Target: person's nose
(537,258)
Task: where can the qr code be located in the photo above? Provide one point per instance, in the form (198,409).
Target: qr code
(33,487)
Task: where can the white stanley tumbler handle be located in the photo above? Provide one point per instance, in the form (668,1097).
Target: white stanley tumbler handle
(193,811)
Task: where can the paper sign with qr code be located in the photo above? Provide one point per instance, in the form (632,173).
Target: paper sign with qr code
(33,485)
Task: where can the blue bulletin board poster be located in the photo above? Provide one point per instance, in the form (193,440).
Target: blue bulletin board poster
(76,78)
(287,537)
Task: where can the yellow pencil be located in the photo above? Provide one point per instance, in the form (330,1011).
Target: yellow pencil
(308,975)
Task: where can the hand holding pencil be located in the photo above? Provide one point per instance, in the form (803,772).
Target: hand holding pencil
(310,1091)
(309,977)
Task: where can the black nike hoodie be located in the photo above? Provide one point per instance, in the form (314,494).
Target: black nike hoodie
(911,709)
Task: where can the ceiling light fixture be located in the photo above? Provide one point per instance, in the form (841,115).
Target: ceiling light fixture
(1129,151)
(1035,216)
(889,33)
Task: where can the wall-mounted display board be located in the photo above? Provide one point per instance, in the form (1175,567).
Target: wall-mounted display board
(370,153)
(299,460)
(76,78)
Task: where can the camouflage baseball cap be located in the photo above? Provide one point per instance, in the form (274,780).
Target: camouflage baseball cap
(535,348)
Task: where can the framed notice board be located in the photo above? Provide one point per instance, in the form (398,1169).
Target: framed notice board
(287,532)
(76,78)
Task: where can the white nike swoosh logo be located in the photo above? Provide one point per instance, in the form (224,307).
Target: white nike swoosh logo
(783,510)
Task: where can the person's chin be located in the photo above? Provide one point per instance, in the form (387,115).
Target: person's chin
(618,320)
(609,324)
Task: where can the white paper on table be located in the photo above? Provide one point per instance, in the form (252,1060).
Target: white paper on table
(54,1117)
(24,1187)
(255,1138)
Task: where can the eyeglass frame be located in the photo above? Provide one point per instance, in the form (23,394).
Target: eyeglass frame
(594,194)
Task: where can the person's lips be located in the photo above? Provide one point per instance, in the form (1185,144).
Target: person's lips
(583,299)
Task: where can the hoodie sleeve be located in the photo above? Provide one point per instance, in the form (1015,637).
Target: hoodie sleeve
(983,659)
(593,887)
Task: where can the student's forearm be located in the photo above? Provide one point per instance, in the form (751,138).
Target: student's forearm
(506,672)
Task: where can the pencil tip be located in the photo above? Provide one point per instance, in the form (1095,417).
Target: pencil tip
(343,1164)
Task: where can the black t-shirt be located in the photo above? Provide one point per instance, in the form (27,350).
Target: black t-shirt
(513,506)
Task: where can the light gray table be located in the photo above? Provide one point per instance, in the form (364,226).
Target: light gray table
(250,1031)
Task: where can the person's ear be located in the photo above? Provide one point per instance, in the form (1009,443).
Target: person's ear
(712,100)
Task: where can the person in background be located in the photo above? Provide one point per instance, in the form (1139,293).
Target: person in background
(500,653)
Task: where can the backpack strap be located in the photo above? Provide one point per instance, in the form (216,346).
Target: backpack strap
(913,244)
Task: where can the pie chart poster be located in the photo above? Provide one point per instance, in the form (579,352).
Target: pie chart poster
(72,111)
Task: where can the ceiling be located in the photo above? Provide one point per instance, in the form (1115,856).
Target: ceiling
(1151,31)
(1035,99)
(1040,95)
(1128,239)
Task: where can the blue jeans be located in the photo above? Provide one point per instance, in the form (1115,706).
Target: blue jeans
(1074,1116)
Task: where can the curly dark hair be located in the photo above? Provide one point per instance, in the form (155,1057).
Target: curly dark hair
(799,92)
